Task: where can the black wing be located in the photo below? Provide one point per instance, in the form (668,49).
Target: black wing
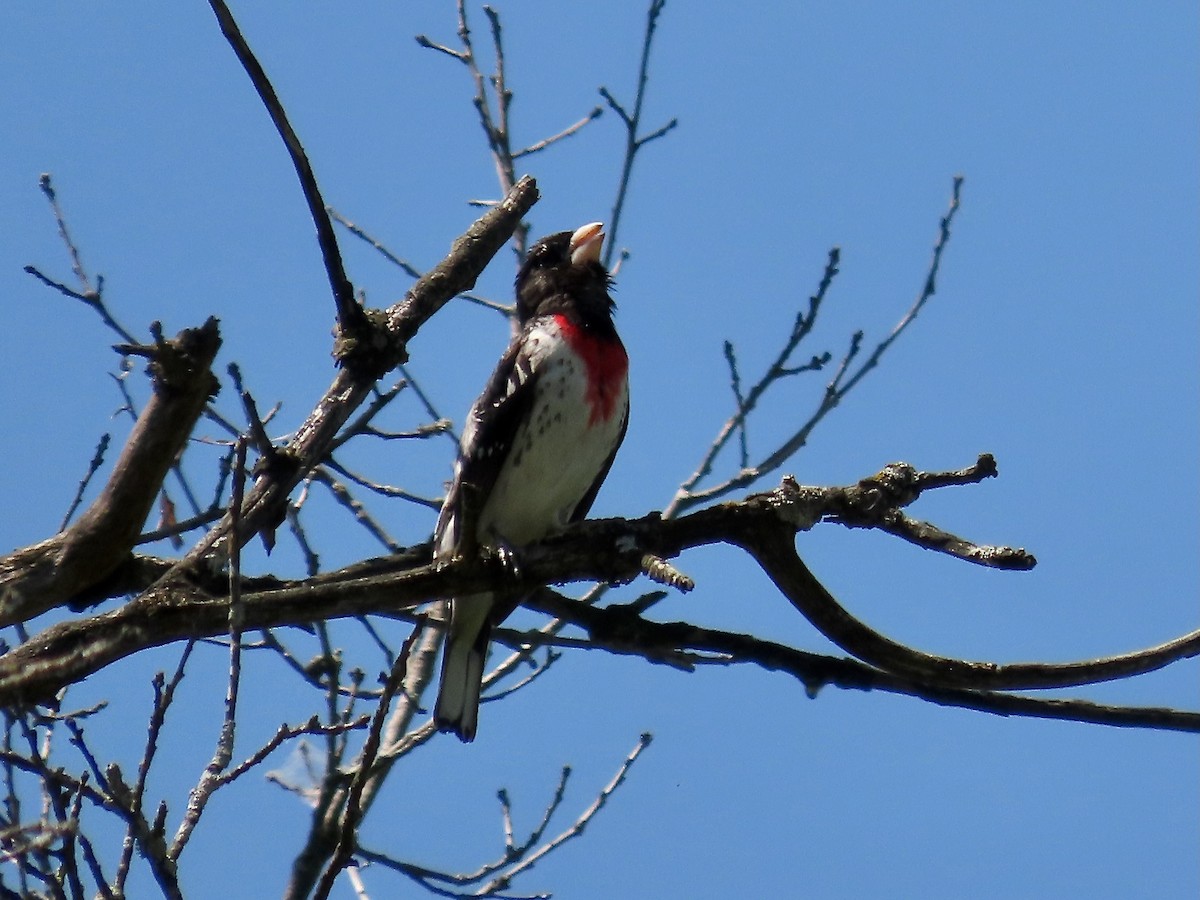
(487,438)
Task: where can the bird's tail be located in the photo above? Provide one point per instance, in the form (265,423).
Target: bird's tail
(463,658)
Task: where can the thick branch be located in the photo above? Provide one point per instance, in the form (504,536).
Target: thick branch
(619,631)
(779,560)
(48,574)
(606,550)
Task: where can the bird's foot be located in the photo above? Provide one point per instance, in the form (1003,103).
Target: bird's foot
(507,558)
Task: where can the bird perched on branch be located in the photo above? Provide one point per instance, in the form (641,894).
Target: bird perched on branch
(536,445)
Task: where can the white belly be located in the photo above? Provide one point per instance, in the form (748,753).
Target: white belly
(555,456)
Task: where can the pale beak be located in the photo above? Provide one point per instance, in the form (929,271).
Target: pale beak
(586,243)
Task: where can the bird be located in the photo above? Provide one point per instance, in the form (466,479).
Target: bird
(536,445)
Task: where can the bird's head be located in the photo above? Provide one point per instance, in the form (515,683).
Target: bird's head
(563,272)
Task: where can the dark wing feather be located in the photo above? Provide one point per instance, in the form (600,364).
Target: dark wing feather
(487,439)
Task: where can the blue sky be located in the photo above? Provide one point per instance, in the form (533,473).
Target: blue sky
(1063,339)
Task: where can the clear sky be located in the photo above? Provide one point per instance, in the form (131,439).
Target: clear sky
(1063,339)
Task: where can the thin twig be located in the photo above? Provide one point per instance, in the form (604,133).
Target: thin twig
(632,122)
(384,490)
(342,495)
(47,187)
(92,297)
(286,733)
(93,468)
(541,145)
(352,813)
(360,425)
(258,431)
(183,526)
(310,674)
(407,267)
(312,561)
(735,382)
(577,828)
(801,327)
(843,381)
(210,780)
(427,404)
(164,694)
(929,289)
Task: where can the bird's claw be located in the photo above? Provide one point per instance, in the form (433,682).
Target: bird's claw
(508,559)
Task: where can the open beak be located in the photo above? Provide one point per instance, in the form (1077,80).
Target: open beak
(586,243)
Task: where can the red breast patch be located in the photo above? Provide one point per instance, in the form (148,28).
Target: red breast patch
(607,366)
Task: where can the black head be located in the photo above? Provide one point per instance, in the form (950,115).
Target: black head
(563,273)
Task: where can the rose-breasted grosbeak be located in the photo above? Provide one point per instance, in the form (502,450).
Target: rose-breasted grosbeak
(536,445)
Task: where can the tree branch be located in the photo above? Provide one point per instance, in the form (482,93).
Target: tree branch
(843,381)
(350,314)
(613,550)
(625,633)
(632,122)
(354,811)
(48,574)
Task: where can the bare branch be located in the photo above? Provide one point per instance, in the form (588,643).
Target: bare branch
(258,431)
(430,409)
(899,484)
(607,551)
(801,327)
(210,780)
(632,634)
(93,297)
(407,267)
(396,738)
(632,122)
(354,811)
(344,498)
(50,573)
(362,424)
(927,291)
(76,264)
(495,124)
(384,490)
(528,862)
(138,829)
(517,857)
(93,468)
(182,526)
(837,389)
(441,48)
(735,383)
(565,133)
(349,313)
(285,734)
